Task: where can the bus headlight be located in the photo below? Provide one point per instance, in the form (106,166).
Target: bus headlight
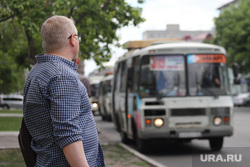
(217,121)
(95,105)
(158,122)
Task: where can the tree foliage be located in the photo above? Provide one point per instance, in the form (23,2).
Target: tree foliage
(233,33)
(96,20)
(12,76)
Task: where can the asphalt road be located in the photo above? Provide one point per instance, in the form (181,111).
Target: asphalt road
(236,148)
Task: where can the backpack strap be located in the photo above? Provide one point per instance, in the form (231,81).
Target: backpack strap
(24,140)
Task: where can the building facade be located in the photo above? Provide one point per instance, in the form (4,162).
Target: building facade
(173,32)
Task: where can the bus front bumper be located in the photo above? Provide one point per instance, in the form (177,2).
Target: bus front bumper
(186,133)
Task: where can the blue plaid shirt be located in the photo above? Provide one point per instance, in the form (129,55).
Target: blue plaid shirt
(57,112)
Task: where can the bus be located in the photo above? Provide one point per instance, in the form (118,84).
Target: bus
(94,82)
(173,91)
(104,99)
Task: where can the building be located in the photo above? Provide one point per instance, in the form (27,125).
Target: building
(227,5)
(173,32)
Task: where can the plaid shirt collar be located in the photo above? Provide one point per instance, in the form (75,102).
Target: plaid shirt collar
(46,58)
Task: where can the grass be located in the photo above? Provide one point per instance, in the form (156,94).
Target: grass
(117,156)
(114,154)
(11,157)
(11,111)
(10,123)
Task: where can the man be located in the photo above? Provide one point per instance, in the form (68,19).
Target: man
(57,111)
(83,79)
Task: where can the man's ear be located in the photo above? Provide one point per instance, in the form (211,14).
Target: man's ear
(72,40)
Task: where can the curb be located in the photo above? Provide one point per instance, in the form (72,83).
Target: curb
(141,156)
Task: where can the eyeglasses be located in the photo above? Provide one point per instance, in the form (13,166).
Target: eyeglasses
(78,36)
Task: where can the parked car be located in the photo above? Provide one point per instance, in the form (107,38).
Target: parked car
(242,99)
(11,101)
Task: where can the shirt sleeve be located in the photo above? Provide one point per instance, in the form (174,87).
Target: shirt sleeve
(65,110)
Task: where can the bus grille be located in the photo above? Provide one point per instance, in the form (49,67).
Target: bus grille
(152,103)
(188,112)
(220,111)
(154,112)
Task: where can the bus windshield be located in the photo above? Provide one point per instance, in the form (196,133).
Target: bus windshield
(207,75)
(164,75)
(94,90)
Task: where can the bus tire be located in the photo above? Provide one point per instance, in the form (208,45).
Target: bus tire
(142,145)
(216,143)
(5,107)
(248,103)
(103,117)
(124,137)
(109,118)
(117,122)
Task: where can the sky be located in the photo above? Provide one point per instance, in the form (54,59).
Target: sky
(189,14)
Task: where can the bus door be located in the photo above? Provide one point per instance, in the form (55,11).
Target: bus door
(120,95)
(132,82)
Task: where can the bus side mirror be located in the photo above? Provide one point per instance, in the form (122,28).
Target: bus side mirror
(236,73)
(235,70)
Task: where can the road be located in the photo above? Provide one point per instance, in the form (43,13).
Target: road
(189,154)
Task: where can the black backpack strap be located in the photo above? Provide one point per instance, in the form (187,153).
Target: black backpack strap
(24,139)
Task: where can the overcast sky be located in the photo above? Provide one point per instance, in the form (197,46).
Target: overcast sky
(189,14)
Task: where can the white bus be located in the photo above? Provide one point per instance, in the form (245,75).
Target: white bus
(104,99)
(175,91)
(94,86)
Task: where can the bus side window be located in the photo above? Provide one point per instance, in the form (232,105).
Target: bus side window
(136,61)
(130,77)
(117,78)
(123,77)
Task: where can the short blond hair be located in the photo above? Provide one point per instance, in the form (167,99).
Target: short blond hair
(55,32)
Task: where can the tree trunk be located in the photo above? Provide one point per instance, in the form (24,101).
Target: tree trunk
(31,52)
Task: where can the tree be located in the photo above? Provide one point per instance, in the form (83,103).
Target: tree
(96,20)
(11,76)
(233,33)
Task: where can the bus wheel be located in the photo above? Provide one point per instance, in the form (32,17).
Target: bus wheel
(5,107)
(109,118)
(248,103)
(142,145)
(103,117)
(124,137)
(216,143)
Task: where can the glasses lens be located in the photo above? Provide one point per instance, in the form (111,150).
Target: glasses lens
(79,37)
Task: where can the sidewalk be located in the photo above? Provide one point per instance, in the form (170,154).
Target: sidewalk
(9,139)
